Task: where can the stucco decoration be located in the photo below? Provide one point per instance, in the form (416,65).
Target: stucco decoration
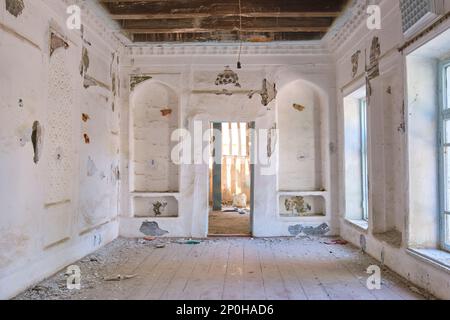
(59,140)
(228,76)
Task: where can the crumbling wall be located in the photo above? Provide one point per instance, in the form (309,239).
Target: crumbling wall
(53,213)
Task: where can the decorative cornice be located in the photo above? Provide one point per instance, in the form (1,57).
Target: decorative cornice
(348,22)
(95,18)
(274,48)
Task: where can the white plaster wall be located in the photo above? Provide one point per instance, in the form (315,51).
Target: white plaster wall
(52,212)
(300,163)
(192,77)
(390,178)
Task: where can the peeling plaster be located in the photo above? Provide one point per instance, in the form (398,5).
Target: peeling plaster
(297,204)
(84,64)
(87,140)
(298,230)
(36,139)
(298,107)
(151,228)
(57,42)
(15,7)
(355,62)
(159,207)
(85,117)
(137,79)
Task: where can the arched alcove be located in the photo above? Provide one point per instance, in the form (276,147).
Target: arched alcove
(301,150)
(153,175)
(300,140)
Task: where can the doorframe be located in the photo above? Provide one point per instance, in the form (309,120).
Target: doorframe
(251,126)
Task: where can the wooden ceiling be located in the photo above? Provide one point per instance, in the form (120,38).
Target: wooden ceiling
(204,20)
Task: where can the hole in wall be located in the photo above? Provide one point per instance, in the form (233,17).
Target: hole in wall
(36,139)
(15,7)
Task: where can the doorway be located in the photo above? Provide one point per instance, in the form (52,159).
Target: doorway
(230,179)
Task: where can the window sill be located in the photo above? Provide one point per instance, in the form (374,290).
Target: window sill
(360,224)
(435,257)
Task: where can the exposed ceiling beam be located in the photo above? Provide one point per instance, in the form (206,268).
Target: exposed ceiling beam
(203,30)
(148,16)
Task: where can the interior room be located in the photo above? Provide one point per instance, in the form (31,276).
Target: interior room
(224,150)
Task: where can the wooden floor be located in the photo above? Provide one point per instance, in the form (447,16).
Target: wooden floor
(224,223)
(235,269)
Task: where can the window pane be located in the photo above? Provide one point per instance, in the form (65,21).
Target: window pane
(447,131)
(447,89)
(447,177)
(447,229)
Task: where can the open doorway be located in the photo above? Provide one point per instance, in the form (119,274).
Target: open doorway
(230,183)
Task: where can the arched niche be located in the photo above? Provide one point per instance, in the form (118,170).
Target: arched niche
(300,122)
(154,116)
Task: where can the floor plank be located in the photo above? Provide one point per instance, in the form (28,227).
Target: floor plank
(227,268)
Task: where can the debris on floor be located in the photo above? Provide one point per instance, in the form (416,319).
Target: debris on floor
(336,242)
(190,241)
(236,209)
(120,277)
(108,273)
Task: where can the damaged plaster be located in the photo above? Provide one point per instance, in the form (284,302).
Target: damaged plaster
(355,63)
(268,92)
(84,64)
(57,42)
(299,230)
(159,207)
(36,139)
(137,79)
(151,228)
(297,204)
(15,7)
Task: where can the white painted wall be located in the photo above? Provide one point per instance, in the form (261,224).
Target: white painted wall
(53,212)
(192,77)
(401,196)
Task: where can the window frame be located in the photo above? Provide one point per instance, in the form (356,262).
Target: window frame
(364,158)
(443,115)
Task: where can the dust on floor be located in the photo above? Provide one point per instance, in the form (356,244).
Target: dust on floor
(234,223)
(230,269)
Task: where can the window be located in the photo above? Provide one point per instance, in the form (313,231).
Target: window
(356,157)
(444,147)
(364,166)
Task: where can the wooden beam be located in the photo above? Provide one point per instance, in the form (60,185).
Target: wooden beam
(268,14)
(246,30)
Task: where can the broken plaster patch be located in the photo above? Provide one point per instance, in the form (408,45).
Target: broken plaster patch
(137,79)
(151,228)
(36,139)
(15,7)
(297,230)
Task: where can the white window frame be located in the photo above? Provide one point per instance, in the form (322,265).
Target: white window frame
(444,115)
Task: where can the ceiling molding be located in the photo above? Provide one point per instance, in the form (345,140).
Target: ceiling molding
(208,49)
